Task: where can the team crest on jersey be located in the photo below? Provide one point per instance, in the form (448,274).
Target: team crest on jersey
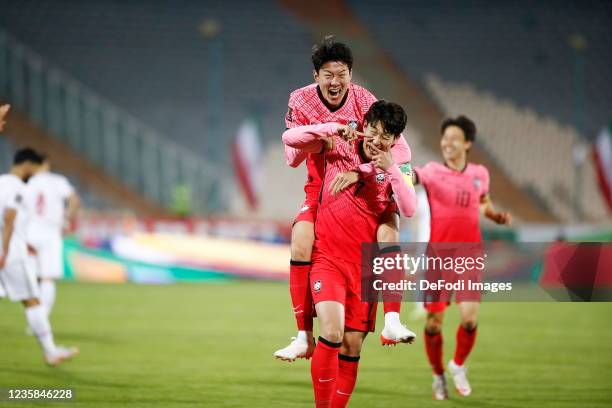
(304,208)
(317,286)
(476,182)
(18,198)
(380,177)
(352,124)
(290,114)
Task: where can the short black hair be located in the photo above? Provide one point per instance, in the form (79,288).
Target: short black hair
(462,122)
(26,154)
(331,50)
(392,117)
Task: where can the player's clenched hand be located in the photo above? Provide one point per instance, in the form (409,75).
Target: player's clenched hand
(328,143)
(348,133)
(382,160)
(502,218)
(3,111)
(343,181)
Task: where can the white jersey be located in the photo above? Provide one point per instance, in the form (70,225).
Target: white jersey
(12,191)
(46,195)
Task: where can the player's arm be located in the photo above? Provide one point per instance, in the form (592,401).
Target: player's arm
(401,181)
(294,157)
(3,111)
(7,233)
(310,138)
(72,209)
(488,209)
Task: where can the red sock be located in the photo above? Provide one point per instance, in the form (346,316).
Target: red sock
(324,371)
(299,287)
(465,343)
(392,307)
(392,299)
(433,346)
(345,384)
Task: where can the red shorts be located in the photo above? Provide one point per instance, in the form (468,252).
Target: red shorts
(308,211)
(340,281)
(437,300)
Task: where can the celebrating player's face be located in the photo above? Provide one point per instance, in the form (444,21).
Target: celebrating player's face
(376,136)
(453,143)
(333,79)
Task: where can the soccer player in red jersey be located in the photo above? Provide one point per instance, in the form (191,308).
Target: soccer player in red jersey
(344,221)
(457,192)
(332,98)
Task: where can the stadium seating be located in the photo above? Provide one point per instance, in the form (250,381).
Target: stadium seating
(515,50)
(156,67)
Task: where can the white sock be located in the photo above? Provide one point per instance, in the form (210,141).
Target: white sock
(39,323)
(47,294)
(392,318)
(302,335)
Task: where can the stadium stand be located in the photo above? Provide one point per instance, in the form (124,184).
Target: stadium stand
(517,50)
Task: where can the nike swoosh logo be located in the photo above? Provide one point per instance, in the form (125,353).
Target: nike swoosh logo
(297,307)
(326,380)
(342,393)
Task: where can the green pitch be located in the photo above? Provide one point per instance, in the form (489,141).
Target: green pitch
(211,345)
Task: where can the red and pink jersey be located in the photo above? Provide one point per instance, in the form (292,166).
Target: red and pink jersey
(454,200)
(308,107)
(350,218)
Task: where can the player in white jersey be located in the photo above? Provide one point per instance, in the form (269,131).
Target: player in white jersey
(52,204)
(17,278)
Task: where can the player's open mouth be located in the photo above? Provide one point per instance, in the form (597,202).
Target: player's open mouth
(334,93)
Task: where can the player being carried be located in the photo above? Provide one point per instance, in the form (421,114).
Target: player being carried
(17,277)
(332,98)
(52,204)
(344,221)
(457,192)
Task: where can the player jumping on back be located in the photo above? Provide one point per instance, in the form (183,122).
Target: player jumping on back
(332,98)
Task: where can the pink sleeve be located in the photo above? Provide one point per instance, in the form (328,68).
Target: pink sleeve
(485,181)
(401,154)
(294,157)
(308,138)
(422,175)
(405,197)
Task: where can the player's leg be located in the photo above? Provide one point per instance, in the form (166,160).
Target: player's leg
(466,337)
(50,267)
(348,366)
(38,321)
(394,331)
(329,291)
(47,294)
(302,239)
(434,347)
(324,366)
(20,284)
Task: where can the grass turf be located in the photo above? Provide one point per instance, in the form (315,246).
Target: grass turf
(211,345)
